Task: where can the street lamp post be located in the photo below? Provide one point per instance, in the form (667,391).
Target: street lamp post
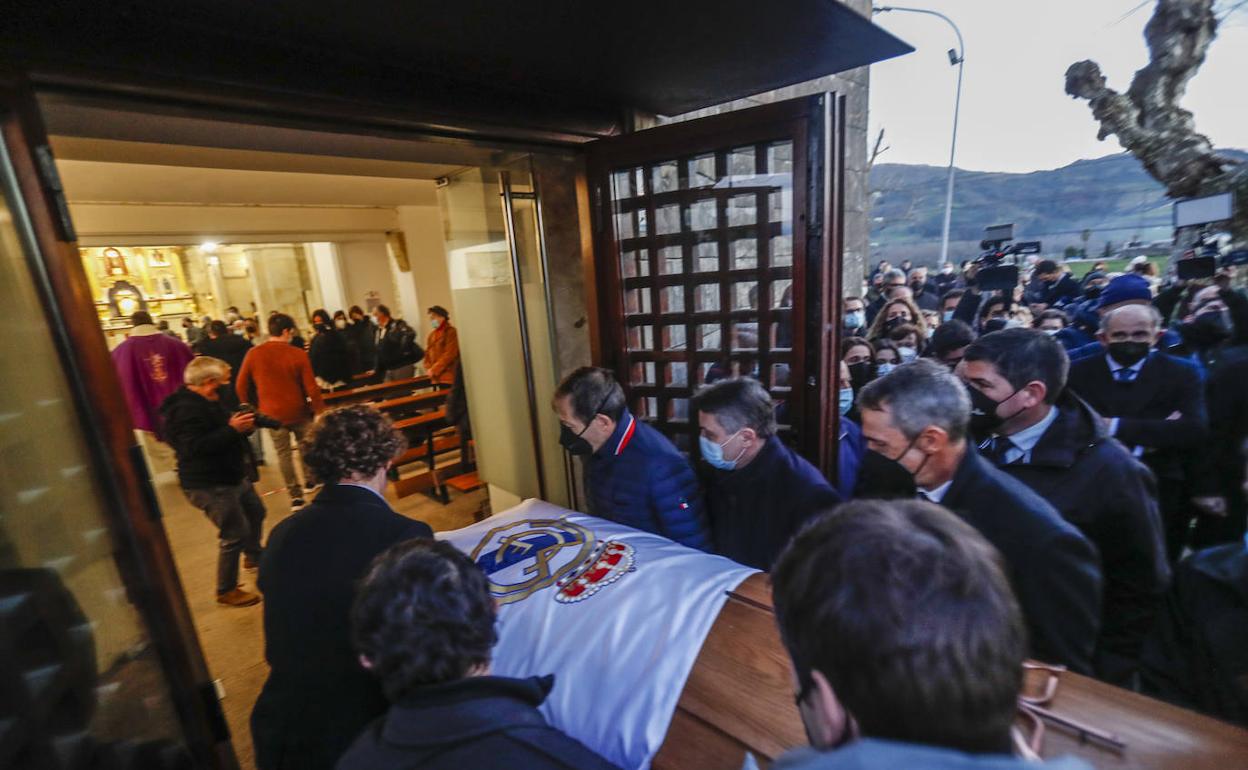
(955,57)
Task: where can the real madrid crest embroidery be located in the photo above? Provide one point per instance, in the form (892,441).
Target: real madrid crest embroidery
(526,556)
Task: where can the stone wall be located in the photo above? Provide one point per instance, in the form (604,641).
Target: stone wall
(854,85)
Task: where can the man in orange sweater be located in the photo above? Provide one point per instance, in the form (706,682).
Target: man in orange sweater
(284,387)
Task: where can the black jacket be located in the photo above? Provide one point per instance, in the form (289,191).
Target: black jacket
(1164,385)
(210,453)
(1052,567)
(756,509)
(479,723)
(362,336)
(330,356)
(1197,656)
(396,345)
(1111,497)
(317,698)
(1062,291)
(230,348)
(1223,460)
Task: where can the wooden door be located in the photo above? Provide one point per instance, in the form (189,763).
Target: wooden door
(717,255)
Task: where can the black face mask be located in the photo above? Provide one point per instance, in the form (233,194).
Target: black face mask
(893,323)
(574,442)
(1206,330)
(860,374)
(884,478)
(1092,292)
(984,417)
(1128,353)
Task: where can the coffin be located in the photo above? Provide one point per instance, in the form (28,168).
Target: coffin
(724,686)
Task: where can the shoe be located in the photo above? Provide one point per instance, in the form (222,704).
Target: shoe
(297,503)
(250,563)
(237,597)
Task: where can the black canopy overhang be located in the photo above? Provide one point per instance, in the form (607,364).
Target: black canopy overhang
(553,60)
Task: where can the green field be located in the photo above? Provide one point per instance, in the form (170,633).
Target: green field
(1081,267)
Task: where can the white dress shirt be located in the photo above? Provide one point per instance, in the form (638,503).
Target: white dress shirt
(1027,438)
(937,494)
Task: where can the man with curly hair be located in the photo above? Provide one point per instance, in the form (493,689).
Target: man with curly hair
(423,622)
(317,697)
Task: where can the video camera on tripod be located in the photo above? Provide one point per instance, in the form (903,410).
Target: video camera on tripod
(998,264)
(1201,260)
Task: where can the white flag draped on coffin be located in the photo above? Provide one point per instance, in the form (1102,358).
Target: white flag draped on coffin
(617,614)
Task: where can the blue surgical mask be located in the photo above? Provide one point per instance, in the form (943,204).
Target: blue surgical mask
(883,369)
(947,316)
(855,319)
(714,453)
(435,322)
(846,400)
(908,354)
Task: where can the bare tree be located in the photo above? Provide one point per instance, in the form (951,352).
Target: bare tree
(1147,119)
(879,149)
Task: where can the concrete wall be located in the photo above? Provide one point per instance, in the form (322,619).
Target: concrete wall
(422,229)
(366,267)
(854,85)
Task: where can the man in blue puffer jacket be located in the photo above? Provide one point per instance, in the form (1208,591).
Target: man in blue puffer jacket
(635,475)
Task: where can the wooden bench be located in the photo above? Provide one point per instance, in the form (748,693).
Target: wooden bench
(379,392)
(406,406)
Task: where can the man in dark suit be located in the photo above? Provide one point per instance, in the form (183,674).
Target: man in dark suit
(317,697)
(917,416)
(1048,438)
(1151,402)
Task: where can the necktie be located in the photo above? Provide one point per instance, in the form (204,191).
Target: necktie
(1124,375)
(996,449)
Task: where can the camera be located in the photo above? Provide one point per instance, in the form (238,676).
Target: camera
(262,419)
(1201,260)
(998,263)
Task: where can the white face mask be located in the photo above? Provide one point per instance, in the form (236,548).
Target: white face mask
(883,369)
(1051,332)
(908,354)
(341,323)
(435,322)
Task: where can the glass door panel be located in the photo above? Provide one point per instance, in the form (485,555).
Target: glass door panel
(79,674)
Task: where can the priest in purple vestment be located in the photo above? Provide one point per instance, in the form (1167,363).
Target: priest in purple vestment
(150,366)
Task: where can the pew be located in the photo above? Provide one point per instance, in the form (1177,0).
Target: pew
(378,392)
(739,698)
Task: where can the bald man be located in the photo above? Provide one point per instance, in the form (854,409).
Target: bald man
(1151,402)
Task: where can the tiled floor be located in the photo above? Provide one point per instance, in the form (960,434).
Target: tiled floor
(232,638)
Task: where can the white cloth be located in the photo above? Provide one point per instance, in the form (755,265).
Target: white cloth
(937,494)
(622,651)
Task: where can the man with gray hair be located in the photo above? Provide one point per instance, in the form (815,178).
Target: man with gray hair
(893,279)
(917,417)
(759,491)
(215,469)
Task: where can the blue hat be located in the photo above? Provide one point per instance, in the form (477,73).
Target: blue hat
(1126,288)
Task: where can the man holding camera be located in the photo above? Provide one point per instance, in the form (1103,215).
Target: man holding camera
(215,469)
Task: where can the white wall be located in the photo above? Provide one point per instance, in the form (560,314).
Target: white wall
(366,267)
(422,228)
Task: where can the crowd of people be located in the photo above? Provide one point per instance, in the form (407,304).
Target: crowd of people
(1054,472)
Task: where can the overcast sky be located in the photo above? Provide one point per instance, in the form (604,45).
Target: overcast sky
(1015,115)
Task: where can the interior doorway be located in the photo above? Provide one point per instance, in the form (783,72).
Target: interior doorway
(186,231)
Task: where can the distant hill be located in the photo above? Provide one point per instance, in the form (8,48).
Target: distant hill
(1114,197)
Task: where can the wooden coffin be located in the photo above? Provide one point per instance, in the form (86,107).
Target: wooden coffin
(739,698)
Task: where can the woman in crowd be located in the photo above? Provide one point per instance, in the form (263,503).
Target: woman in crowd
(331,358)
(441,347)
(909,344)
(896,312)
(887,357)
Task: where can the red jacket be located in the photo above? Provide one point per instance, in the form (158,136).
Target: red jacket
(281,375)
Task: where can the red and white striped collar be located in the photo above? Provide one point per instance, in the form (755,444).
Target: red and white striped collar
(628,435)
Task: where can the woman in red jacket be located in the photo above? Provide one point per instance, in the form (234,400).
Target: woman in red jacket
(441,347)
